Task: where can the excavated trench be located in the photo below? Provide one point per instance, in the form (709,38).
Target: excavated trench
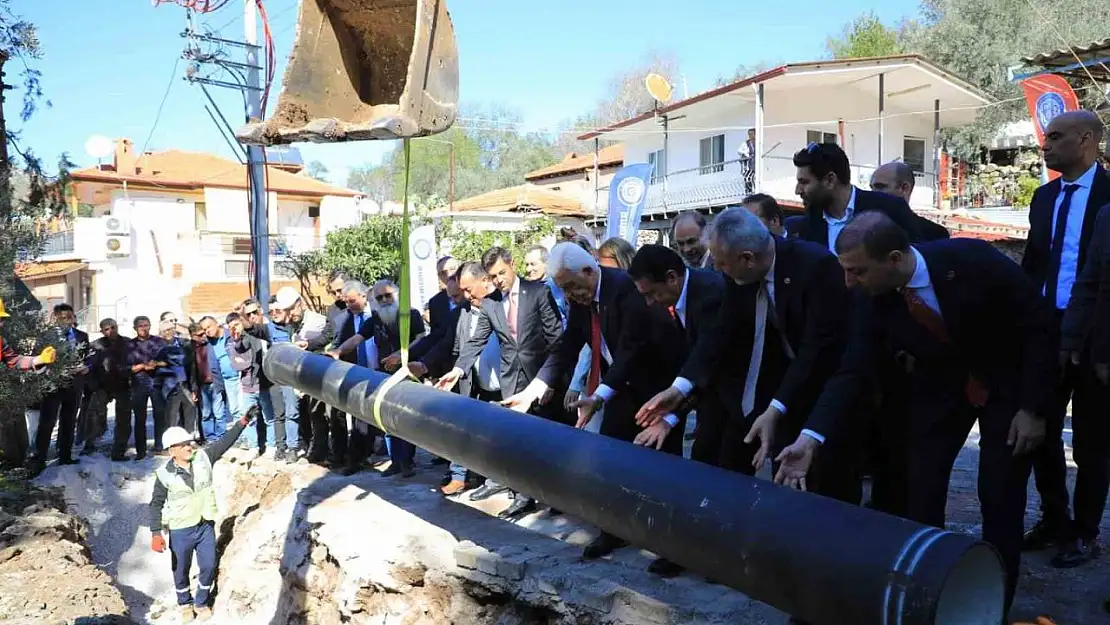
(298,545)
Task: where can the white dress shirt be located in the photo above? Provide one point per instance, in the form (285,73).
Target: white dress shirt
(1073,232)
(685,386)
(836,225)
(488,365)
(922,284)
(680,305)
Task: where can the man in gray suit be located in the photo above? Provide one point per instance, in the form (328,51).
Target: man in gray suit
(524,317)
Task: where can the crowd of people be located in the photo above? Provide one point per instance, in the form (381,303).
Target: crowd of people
(855,341)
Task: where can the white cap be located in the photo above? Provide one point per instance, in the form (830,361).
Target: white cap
(286,298)
(175,436)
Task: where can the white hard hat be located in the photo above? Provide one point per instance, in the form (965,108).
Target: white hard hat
(286,298)
(175,436)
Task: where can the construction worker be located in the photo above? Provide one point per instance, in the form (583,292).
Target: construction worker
(184,502)
(12,360)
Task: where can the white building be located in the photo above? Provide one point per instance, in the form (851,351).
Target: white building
(878,110)
(170,230)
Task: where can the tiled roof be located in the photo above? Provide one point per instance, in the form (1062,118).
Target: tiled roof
(48,269)
(982,236)
(196,170)
(220,298)
(572,162)
(522,198)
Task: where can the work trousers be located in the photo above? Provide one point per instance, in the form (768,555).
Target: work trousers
(201,539)
(58,408)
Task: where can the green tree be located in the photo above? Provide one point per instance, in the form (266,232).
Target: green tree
(375,181)
(979,40)
(865,36)
(466,244)
(317,170)
(21,212)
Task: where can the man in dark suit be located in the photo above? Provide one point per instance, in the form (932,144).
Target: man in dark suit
(525,319)
(1086,328)
(59,407)
(358,323)
(482,380)
(1061,224)
(897,178)
(831,200)
(440,306)
(629,351)
(692,298)
(975,344)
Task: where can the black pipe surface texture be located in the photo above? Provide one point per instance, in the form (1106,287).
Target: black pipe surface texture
(812,557)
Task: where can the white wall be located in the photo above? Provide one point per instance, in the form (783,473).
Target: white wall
(787,117)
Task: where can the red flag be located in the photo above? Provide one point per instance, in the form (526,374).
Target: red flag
(1047,96)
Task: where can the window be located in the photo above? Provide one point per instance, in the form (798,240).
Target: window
(818,136)
(712,155)
(240,246)
(201,216)
(913,153)
(313,212)
(236,268)
(658,158)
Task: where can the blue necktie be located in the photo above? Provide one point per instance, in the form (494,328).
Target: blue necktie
(1057,244)
(363,361)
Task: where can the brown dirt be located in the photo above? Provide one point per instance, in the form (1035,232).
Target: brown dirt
(39,545)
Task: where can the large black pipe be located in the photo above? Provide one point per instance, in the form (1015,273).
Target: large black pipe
(815,558)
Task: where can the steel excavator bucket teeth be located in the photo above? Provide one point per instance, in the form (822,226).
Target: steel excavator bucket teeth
(365,69)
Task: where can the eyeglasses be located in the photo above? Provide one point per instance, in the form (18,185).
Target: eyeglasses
(384,297)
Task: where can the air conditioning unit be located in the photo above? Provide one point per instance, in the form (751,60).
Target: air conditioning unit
(117,226)
(117,239)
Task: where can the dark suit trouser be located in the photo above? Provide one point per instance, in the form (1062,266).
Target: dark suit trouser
(913,483)
(140,394)
(306,419)
(58,408)
(709,433)
(181,411)
(1091,452)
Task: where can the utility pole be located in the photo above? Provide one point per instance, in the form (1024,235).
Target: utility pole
(256,164)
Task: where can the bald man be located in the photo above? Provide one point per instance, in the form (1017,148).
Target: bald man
(896,178)
(1061,224)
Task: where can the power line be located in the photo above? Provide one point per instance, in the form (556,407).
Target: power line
(161,105)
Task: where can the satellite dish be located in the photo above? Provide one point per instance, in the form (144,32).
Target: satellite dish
(99,146)
(658,87)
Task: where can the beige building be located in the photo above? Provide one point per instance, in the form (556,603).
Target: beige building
(575,176)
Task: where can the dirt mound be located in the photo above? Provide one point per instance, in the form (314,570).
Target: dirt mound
(39,545)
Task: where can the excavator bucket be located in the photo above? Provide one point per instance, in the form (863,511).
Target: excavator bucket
(365,69)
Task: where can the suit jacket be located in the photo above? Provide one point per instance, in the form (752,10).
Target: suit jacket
(538,328)
(439,355)
(347,330)
(816,229)
(439,315)
(810,305)
(636,335)
(1086,325)
(1000,331)
(1038,247)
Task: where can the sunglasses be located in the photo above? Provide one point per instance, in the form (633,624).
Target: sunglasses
(384,297)
(252,312)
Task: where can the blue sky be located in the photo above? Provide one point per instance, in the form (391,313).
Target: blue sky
(106,70)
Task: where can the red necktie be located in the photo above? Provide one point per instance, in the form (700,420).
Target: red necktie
(977,394)
(594,379)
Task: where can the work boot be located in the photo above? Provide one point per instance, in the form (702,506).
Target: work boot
(203,612)
(187,613)
(453,487)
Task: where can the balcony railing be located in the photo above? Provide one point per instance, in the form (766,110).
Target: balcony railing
(58,243)
(723,184)
(239,243)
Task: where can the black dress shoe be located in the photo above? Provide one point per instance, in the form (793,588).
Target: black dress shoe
(486,491)
(665,568)
(65,461)
(519,508)
(554,511)
(1041,536)
(1076,553)
(394,469)
(408,471)
(602,546)
(349,470)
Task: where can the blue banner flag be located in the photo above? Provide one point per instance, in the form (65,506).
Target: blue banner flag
(627,195)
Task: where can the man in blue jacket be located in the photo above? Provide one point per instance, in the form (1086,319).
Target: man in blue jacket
(220,398)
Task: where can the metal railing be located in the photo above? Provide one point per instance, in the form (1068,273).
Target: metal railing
(214,243)
(58,243)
